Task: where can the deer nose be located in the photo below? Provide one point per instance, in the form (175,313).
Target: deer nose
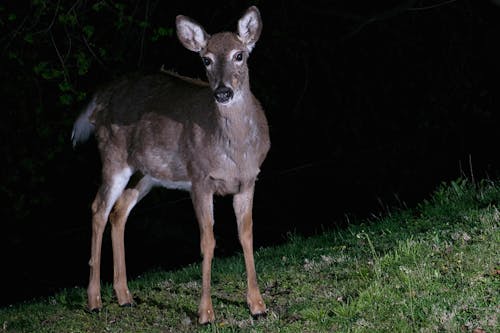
(223,94)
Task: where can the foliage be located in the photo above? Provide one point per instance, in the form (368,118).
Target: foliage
(63,41)
(53,55)
(410,271)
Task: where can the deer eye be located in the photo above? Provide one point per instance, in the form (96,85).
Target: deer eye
(206,61)
(239,56)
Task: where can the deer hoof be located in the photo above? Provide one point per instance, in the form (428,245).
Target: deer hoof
(94,303)
(257,308)
(95,310)
(206,316)
(127,305)
(124,297)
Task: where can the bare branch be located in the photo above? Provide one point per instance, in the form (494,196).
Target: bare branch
(52,21)
(432,6)
(61,60)
(92,51)
(141,49)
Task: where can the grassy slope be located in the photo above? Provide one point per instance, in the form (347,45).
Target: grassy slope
(436,268)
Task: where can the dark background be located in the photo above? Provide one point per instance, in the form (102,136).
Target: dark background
(371,105)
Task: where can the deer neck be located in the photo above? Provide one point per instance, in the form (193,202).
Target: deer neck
(238,130)
(237,119)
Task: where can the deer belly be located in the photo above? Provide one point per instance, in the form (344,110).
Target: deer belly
(166,168)
(174,185)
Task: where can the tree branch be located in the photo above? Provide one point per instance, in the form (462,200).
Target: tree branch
(61,60)
(431,6)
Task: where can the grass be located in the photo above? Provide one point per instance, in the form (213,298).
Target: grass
(429,269)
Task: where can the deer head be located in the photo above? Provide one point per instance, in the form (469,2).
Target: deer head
(224,54)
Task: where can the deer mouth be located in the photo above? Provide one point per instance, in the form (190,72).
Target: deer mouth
(223,94)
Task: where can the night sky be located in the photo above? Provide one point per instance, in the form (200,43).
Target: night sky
(371,105)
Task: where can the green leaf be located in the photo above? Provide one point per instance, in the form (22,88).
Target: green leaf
(43,69)
(120,6)
(88,31)
(66,99)
(28,38)
(40,67)
(83,63)
(98,6)
(50,74)
(102,52)
(64,86)
(12,55)
(68,19)
(161,32)
(81,96)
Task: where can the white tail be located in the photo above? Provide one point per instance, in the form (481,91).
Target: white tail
(184,134)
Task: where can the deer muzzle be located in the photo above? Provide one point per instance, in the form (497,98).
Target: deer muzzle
(223,94)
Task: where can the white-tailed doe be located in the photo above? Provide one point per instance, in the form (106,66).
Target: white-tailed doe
(180,133)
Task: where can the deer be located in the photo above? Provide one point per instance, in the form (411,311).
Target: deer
(167,130)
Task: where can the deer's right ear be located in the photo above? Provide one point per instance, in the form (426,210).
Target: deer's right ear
(190,33)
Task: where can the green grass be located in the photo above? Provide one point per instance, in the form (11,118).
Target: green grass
(435,268)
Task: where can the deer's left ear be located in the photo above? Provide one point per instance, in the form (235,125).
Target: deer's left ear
(250,27)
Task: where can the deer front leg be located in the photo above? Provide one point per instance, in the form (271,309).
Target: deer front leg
(242,204)
(203,205)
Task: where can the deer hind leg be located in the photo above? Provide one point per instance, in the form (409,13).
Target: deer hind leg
(111,188)
(242,204)
(203,205)
(118,217)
